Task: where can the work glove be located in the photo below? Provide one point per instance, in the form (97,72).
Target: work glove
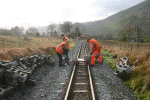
(91,53)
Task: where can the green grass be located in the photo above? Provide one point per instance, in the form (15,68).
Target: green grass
(110,60)
(136,83)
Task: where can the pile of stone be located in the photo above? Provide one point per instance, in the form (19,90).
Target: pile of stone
(123,68)
(17,74)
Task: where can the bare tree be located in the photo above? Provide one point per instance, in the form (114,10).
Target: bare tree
(77,31)
(66,27)
(139,33)
(32,31)
(50,28)
(17,30)
(129,32)
(5,32)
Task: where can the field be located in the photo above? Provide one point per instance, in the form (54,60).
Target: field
(12,46)
(139,56)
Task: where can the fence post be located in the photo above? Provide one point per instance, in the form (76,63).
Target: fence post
(19,43)
(29,43)
(120,46)
(138,46)
(3,43)
(131,47)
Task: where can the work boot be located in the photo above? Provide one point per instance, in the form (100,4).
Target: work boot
(68,62)
(62,65)
(100,63)
(91,65)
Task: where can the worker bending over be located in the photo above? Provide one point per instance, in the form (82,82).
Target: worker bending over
(66,50)
(61,49)
(95,49)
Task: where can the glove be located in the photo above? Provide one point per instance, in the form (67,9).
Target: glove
(91,53)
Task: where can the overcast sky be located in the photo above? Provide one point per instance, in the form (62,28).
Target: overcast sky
(29,13)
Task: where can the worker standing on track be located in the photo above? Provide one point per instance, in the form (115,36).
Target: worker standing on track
(61,49)
(95,49)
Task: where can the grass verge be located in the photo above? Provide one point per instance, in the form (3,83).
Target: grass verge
(139,81)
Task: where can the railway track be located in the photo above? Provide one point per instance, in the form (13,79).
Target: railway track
(80,86)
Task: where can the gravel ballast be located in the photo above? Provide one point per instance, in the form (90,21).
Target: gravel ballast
(51,82)
(108,85)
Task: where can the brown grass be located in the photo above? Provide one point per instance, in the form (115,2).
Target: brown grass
(21,52)
(12,48)
(140,58)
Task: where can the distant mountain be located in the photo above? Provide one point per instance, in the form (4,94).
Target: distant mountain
(113,24)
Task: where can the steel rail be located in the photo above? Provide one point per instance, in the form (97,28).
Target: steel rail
(70,82)
(91,83)
(68,90)
(72,76)
(90,78)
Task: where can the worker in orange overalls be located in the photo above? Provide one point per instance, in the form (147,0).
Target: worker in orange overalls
(60,49)
(95,49)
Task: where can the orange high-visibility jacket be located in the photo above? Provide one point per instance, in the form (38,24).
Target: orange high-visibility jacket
(59,48)
(65,38)
(94,44)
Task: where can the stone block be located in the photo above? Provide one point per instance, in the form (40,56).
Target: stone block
(15,86)
(129,70)
(7,90)
(39,65)
(121,73)
(118,65)
(1,75)
(29,72)
(42,60)
(34,67)
(20,68)
(14,63)
(34,61)
(23,65)
(31,82)
(2,91)
(6,65)
(123,59)
(38,59)
(10,80)
(12,72)
(22,60)
(21,84)
(22,77)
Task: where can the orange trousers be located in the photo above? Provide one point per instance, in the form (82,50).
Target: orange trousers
(94,53)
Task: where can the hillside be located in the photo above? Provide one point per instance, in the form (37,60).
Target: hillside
(114,23)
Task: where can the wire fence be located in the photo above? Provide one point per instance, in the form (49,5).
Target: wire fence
(4,43)
(125,45)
